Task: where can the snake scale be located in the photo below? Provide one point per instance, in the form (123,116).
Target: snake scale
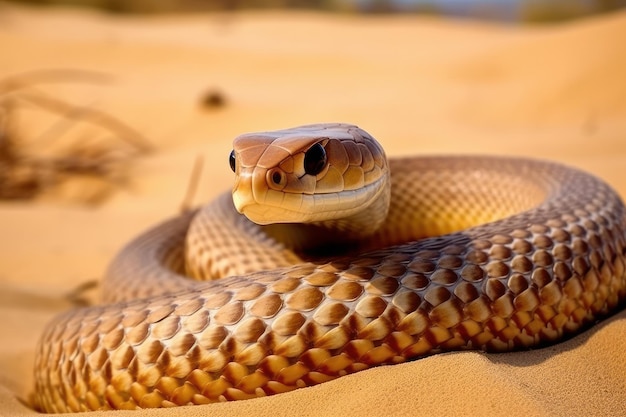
(395,260)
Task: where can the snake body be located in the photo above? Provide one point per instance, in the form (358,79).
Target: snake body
(494,254)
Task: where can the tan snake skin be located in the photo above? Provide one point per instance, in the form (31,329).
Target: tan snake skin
(494,254)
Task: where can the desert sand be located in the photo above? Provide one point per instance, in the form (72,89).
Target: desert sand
(420,85)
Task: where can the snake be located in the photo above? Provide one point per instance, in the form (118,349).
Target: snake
(328,258)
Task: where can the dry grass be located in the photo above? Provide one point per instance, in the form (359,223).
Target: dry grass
(82,155)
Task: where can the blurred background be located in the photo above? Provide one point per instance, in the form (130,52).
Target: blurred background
(503,10)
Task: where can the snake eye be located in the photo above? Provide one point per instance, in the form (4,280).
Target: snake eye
(231,160)
(315,159)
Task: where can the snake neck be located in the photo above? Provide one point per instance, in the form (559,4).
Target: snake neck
(365,222)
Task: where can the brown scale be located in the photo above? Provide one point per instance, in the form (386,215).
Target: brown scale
(476,253)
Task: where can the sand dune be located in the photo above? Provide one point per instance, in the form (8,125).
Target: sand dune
(420,85)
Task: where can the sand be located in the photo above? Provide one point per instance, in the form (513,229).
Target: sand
(420,85)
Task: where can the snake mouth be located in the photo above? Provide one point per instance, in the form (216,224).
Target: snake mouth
(274,206)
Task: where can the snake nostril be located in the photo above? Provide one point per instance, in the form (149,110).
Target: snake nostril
(276,179)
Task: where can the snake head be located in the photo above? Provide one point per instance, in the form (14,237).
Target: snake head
(308,174)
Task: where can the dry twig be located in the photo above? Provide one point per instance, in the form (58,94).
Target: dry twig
(26,173)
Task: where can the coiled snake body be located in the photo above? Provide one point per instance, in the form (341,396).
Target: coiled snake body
(494,254)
